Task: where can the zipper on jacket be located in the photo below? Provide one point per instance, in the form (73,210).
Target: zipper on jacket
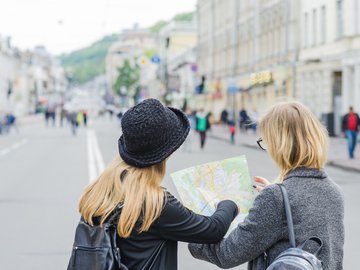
(266,259)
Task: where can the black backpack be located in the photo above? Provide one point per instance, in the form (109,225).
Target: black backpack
(95,246)
(296,258)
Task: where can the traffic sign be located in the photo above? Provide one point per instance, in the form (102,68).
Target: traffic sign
(142,61)
(155,59)
(232,89)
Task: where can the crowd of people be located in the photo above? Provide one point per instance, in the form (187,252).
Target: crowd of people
(71,117)
(246,122)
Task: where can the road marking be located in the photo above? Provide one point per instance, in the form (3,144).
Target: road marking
(13,147)
(96,163)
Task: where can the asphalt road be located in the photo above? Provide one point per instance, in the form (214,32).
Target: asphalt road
(43,171)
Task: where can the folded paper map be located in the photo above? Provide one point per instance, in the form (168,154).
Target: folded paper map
(201,187)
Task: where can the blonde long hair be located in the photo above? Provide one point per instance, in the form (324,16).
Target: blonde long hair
(138,189)
(294,137)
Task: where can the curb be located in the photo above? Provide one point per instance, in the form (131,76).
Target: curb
(343,167)
(236,144)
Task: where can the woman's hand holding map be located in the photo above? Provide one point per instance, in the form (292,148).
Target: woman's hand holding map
(261,183)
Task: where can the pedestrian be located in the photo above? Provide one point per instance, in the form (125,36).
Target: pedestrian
(253,118)
(350,128)
(208,120)
(72,119)
(50,113)
(224,117)
(202,125)
(79,118)
(47,115)
(2,122)
(63,115)
(244,120)
(85,117)
(192,121)
(297,142)
(232,130)
(10,122)
(152,220)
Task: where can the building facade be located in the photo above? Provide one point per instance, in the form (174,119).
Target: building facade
(10,62)
(176,44)
(328,70)
(247,52)
(183,68)
(133,44)
(27,77)
(257,52)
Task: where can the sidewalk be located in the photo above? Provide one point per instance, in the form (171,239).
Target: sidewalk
(337,152)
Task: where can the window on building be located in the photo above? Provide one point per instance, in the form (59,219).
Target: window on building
(339,19)
(306,30)
(356,16)
(323,24)
(314,26)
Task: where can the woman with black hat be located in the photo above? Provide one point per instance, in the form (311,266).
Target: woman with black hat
(151,219)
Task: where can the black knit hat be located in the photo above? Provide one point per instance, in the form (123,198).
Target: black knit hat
(151,133)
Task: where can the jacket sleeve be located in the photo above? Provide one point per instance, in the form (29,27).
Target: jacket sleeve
(259,231)
(344,123)
(178,223)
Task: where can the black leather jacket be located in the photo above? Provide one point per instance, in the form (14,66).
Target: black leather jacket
(176,223)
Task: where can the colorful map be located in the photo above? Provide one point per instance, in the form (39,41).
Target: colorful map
(202,186)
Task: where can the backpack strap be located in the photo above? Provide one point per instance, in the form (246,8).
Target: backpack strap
(289,219)
(315,239)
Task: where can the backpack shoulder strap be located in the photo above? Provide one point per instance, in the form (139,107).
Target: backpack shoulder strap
(289,219)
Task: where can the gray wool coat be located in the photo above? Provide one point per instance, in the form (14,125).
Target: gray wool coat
(317,208)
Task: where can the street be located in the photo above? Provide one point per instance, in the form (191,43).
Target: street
(44,170)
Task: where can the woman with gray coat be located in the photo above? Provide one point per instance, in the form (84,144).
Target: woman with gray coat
(298,143)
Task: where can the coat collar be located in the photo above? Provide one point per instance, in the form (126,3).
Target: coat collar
(305,172)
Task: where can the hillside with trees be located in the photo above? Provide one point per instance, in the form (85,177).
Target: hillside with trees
(84,64)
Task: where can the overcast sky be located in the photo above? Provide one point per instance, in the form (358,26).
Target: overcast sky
(65,25)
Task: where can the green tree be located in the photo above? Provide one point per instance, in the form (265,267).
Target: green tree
(128,77)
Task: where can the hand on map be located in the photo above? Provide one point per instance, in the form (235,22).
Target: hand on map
(216,204)
(261,183)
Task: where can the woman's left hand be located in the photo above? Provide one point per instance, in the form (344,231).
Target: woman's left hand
(261,183)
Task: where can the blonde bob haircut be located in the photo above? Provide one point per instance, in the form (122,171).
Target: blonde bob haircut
(138,189)
(294,137)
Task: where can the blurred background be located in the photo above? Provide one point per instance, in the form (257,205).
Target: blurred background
(70,69)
